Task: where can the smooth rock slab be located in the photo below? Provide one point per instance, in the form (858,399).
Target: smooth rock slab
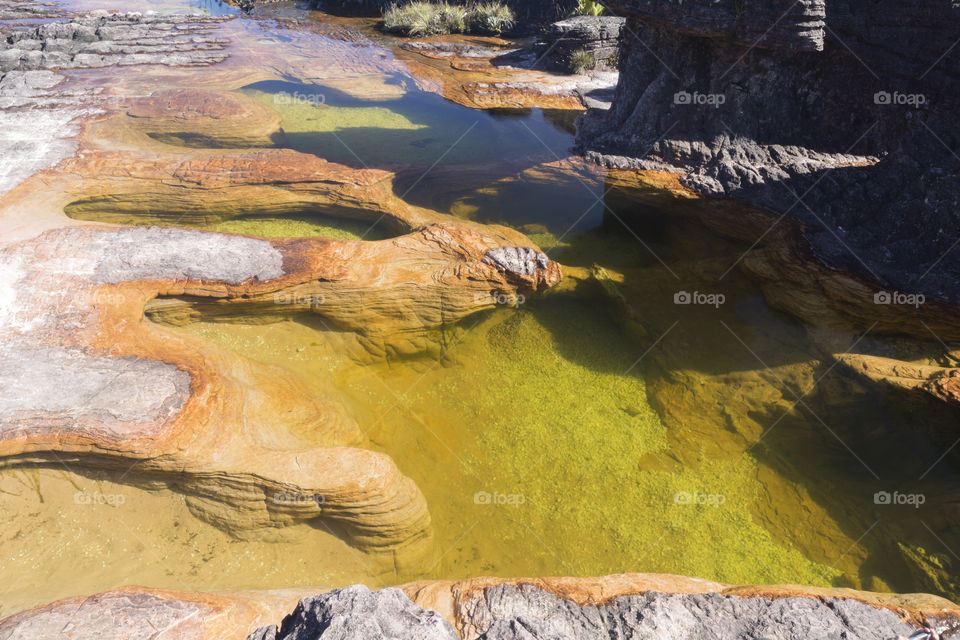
(354,613)
(66,388)
(157,253)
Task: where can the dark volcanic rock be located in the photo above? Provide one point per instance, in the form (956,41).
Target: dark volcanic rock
(840,113)
(99,39)
(354,613)
(596,34)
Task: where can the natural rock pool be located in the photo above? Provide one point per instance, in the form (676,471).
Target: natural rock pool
(659,409)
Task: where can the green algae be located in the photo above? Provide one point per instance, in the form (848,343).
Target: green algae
(304,115)
(571,432)
(538,451)
(295,226)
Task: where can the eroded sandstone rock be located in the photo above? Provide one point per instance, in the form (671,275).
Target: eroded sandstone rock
(528,613)
(80,293)
(498,78)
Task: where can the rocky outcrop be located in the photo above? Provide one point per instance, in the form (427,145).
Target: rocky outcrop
(97,387)
(496,77)
(836,113)
(595,35)
(943,383)
(75,298)
(355,612)
(102,39)
(528,613)
(127,614)
(37,112)
(618,606)
(529,13)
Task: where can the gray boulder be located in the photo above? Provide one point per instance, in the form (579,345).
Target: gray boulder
(517,260)
(506,612)
(356,613)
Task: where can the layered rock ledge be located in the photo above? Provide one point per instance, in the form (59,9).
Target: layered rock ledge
(840,113)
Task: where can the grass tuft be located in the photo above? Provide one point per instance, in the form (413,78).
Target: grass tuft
(581,60)
(419,18)
(492,17)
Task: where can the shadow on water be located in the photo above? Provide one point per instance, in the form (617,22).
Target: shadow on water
(768,382)
(418,130)
(726,379)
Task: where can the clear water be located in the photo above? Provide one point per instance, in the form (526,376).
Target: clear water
(599,428)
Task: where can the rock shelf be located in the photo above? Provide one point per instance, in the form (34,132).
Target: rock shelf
(618,606)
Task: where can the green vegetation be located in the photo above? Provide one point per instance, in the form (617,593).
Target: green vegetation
(415,19)
(492,17)
(418,18)
(589,8)
(581,60)
(298,226)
